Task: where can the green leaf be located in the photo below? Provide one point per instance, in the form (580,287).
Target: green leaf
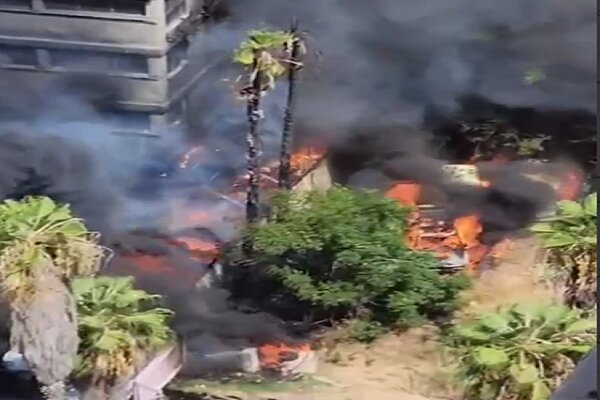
(533,75)
(570,208)
(244,56)
(554,315)
(590,205)
(525,374)
(45,206)
(495,322)
(472,334)
(540,391)
(490,358)
(574,348)
(582,325)
(559,239)
(542,227)
(526,312)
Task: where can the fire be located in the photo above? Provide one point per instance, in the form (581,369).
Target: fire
(201,250)
(187,157)
(301,162)
(460,239)
(468,229)
(405,193)
(570,185)
(455,242)
(274,356)
(154,265)
(305,158)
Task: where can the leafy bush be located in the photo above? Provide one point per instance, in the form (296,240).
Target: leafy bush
(521,352)
(341,254)
(570,239)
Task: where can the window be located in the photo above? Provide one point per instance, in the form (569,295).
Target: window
(18,55)
(16,4)
(174,9)
(116,6)
(98,61)
(177,55)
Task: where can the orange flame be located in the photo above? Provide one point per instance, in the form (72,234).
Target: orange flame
(570,185)
(301,162)
(187,157)
(468,229)
(274,355)
(405,193)
(201,250)
(436,236)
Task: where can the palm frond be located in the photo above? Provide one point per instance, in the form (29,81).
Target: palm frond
(118,326)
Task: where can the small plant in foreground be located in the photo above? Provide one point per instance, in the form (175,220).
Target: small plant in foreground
(520,353)
(570,240)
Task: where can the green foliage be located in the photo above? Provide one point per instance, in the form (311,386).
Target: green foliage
(572,228)
(490,137)
(118,326)
(522,352)
(341,252)
(570,239)
(364,331)
(267,52)
(36,235)
(533,76)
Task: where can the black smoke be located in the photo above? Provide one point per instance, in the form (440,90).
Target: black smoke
(39,165)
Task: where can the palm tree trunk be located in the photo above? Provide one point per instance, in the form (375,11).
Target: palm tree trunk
(288,119)
(253,113)
(44,331)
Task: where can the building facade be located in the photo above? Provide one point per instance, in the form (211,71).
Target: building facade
(138,43)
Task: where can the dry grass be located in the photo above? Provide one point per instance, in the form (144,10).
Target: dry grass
(410,366)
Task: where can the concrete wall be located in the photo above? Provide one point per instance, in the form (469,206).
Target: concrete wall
(318,178)
(45,29)
(84,28)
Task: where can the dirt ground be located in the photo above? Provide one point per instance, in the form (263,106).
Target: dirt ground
(410,366)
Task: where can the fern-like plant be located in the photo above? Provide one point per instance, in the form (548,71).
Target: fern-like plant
(522,352)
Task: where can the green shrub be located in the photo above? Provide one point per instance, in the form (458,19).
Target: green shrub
(341,254)
(521,352)
(570,240)
(364,331)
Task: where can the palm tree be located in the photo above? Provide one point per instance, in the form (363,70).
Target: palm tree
(258,54)
(41,246)
(293,66)
(119,328)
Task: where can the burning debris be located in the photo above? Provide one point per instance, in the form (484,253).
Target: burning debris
(458,242)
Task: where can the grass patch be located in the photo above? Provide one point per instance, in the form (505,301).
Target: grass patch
(248,384)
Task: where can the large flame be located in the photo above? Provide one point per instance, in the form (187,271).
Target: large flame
(274,356)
